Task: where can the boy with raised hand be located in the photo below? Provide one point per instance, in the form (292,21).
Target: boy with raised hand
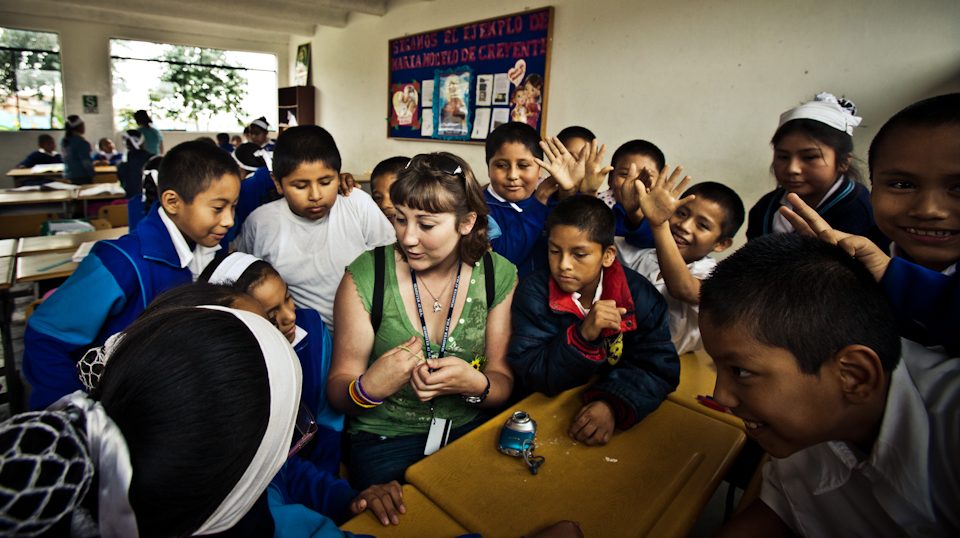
(915,170)
(862,427)
(198,186)
(587,315)
(686,229)
(314,232)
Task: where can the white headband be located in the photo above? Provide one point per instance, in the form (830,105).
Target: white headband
(285,378)
(74,123)
(826,109)
(267,157)
(232,268)
(111,458)
(135,141)
(261,123)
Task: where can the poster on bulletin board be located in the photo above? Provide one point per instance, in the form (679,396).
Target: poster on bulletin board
(461,82)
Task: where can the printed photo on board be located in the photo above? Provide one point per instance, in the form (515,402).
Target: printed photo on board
(453,98)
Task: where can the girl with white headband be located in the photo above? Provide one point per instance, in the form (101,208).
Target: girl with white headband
(130,169)
(190,420)
(813,157)
(257,187)
(77,164)
(259,133)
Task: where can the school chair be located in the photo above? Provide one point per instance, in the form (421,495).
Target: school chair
(115,214)
(25,225)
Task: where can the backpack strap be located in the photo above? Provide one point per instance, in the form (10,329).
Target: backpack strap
(376,307)
(488,276)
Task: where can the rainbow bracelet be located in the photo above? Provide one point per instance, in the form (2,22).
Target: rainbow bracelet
(364,394)
(357,399)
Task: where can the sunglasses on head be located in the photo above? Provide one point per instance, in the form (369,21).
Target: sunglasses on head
(440,162)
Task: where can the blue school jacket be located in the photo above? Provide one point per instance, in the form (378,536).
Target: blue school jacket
(255,191)
(39,157)
(523,240)
(848,210)
(548,354)
(640,237)
(927,303)
(110,288)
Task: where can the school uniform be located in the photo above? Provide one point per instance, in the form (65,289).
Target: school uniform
(909,483)
(927,303)
(40,157)
(640,236)
(77,166)
(227,146)
(151,139)
(313,346)
(112,158)
(846,207)
(109,289)
(255,190)
(523,227)
(637,364)
(684,317)
(311,255)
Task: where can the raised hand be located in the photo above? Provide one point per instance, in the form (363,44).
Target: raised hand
(392,370)
(594,424)
(661,200)
(448,375)
(384,500)
(565,168)
(807,221)
(594,171)
(603,315)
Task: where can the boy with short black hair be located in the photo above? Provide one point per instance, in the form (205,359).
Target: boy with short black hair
(223,141)
(575,137)
(863,434)
(46,153)
(198,186)
(313,233)
(383,175)
(107,154)
(634,159)
(685,231)
(587,315)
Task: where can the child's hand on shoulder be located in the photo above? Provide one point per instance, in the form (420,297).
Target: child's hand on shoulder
(347,184)
(807,221)
(594,423)
(384,500)
(660,201)
(564,167)
(603,315)
(594,173)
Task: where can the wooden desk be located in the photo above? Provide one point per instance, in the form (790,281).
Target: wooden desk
(6,272)
(9,198)
(698,375)
(423,518)
(28,246)
(45,266)
(22,175)
(8,247)
(653,479)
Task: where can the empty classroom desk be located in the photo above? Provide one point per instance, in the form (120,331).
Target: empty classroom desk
(44,244)
(21,176)
(651,480)
(423,518)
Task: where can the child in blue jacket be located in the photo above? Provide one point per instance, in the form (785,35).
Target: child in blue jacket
(198,186)
(587,316)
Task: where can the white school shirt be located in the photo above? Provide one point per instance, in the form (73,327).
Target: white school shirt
(909,485)
(196,259)
(684,317)
(780,223)
(311,255)
(596,297)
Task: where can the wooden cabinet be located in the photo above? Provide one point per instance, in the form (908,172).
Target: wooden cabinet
(298,101)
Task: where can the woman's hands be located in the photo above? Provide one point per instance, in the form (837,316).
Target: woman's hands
(392,370)
(449,375)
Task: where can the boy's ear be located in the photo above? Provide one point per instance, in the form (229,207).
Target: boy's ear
(609,255)
(467,223)
(277,184)
(723,244)
(171,202)
(861,373)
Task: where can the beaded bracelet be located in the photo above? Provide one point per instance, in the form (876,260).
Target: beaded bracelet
(357,399)
(364,394)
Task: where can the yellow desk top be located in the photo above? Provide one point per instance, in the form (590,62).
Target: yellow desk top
(64,242)
(698,375)
(36,197)
(45,266)
(423,518)
(8,247)
(28,172)
(667,465)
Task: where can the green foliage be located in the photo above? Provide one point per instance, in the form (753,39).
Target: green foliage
(192,89)
(33,74)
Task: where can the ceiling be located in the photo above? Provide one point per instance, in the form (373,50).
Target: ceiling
(277,19)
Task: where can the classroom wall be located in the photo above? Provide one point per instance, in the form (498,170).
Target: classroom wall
(85,56)
(705,80)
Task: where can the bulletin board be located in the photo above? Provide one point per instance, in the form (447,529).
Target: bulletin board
(461,82)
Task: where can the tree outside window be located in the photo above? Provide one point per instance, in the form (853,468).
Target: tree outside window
(31,91)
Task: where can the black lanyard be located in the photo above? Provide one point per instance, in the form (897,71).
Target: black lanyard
(428,351)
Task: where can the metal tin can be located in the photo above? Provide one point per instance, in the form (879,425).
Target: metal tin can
(518,434)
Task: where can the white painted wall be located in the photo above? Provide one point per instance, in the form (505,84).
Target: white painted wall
(705,80)
(85,55)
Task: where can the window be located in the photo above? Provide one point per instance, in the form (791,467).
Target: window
(30,85)
(191,88)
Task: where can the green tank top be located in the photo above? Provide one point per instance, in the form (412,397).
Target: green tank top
(403,413)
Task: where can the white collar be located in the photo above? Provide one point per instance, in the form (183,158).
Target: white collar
(180,243)
(298,336)
(499,198)
(596,296)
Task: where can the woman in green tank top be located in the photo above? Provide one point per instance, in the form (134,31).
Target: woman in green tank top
(437,355)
